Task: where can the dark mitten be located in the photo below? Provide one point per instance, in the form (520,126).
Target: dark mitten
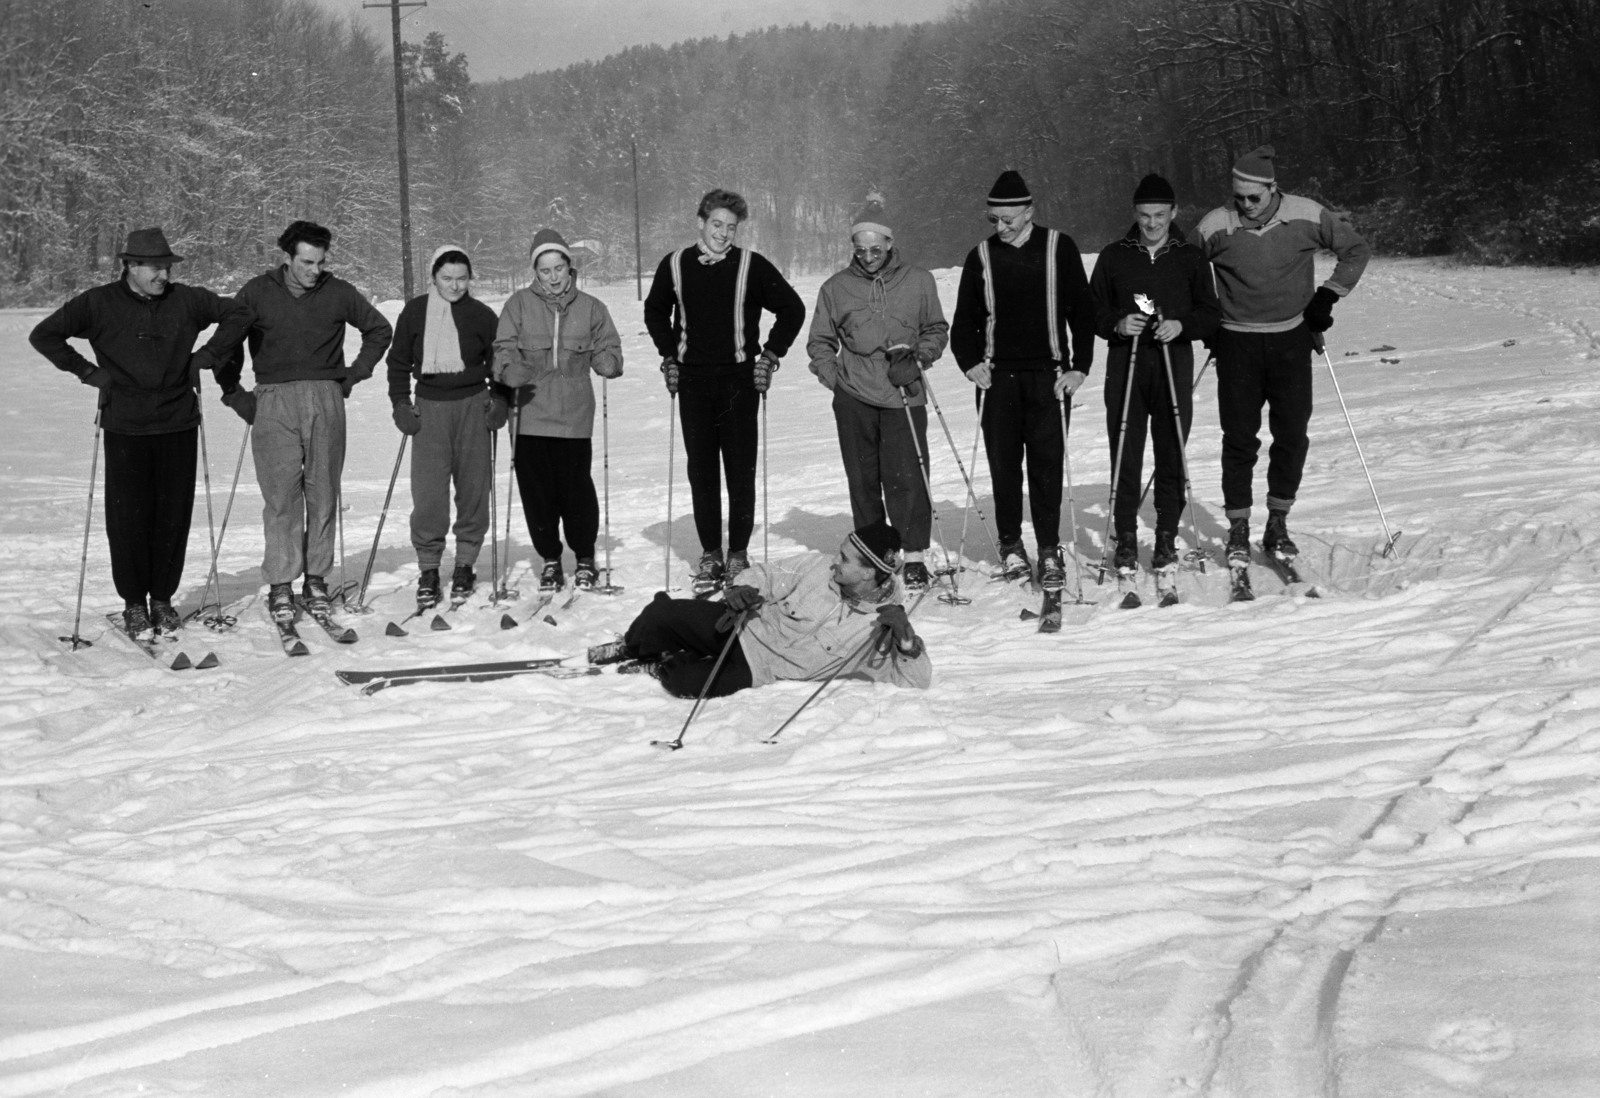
(495,412)
(1319,314)
(243,402)
(405,418)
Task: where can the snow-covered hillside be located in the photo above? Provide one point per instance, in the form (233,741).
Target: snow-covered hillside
(1300,847)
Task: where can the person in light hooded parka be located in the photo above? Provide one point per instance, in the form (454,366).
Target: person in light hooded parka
(877,325)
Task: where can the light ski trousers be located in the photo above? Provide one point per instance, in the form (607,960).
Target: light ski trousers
(298,446)
(453,445)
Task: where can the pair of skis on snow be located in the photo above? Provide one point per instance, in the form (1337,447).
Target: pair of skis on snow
(289,634)
(153,645)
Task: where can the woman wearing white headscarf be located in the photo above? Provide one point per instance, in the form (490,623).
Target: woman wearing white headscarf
(445,340)
(551,337)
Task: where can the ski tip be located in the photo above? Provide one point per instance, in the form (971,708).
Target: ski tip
(550,620)
(1027,615)
(299,649)
(393,630)
(207,662)
(181,662)
(438,624)
(347,637)
(507,621)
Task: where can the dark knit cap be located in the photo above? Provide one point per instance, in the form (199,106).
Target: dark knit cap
(881,544)
(1153,188)
(1256,166)
(548,240)
(871,218)
(1010,190)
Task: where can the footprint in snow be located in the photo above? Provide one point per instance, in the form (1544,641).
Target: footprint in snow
(1475,1040)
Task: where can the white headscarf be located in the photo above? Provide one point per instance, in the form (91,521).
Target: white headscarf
(441,342)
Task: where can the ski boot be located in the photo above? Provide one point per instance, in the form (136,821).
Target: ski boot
(915,576)
(280,602)
(1014,562)
(314,593)
(615,651)
(1126,562)
(552,579)
(1052,569)
(463,581)
(585,575)
(427,589)
(1275,540)
(165,618)
(738,561)
(1238,542)
(1165,554)
(136,622)
(709,575)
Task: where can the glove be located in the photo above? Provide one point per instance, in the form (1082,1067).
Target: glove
(243,402)
(905,371)
(982,375)
(765,366)
(347,384)
(406,418)
(197,362)
(669,373)
(495,412)
(895,625)
(517,374)
(99,378)
(741,601)
(1319,314)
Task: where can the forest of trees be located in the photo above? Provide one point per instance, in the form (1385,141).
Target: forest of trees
(1445,126)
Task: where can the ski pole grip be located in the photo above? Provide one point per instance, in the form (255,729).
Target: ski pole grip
(1319,343)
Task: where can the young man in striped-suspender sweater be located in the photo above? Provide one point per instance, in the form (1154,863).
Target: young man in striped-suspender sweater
(703,312)
(1022,293)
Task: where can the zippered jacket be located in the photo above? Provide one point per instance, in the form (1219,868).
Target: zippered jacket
(859,316)
(563,339)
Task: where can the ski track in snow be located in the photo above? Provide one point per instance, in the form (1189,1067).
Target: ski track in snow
(1150,850)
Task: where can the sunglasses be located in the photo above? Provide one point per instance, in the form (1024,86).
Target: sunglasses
(1251,199)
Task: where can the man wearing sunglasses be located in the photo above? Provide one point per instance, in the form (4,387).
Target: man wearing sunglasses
(1262,250)
(877,325)
(1022,292)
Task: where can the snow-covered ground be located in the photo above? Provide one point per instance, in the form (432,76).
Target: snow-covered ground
(1291,848)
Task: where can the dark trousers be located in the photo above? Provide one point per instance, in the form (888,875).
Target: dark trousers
(558,493)
(1022,418)
(149,501)
(682,634)
(880,464)
(1149,412)
(1256,368)
(720,437)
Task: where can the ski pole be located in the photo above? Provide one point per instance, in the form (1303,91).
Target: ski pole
(1183,456)
(966,509)
(515,426)
(494,522)
(972,495)
(733,634)
(343,593)
(605,479)
(1195,388)
(211,526)
(766,517)
(76,640)
(1388,538)
(372,558)
(219,620)
(672,445)
(1072,507)
(1116,470)
(953,596)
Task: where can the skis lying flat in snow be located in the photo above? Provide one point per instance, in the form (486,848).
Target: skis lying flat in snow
(373,681)
(1285,567)
(1127,583)
(341,634)
(152,648)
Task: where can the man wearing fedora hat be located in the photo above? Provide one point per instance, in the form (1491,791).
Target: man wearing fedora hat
(294,317)
(142,329)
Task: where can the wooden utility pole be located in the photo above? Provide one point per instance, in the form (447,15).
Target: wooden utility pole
(638,245)
(394,7)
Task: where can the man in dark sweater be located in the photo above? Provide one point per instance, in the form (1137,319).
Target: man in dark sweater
(1156,261)
(704,312)
(1022,292)
(142,329)
(294,318)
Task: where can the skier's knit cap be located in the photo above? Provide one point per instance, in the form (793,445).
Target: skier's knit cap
(1255,167)
(1010,190)
(880,544)
(443,250)
(1153,188)
(871,218)
(548,240)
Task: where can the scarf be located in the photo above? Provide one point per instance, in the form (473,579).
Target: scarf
(441,342)
(709,258)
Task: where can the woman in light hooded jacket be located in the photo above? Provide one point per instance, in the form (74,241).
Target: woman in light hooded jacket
(551,337)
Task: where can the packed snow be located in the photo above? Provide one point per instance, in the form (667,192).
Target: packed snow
(1302,846)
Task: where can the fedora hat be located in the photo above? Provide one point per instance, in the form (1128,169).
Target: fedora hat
(148,246)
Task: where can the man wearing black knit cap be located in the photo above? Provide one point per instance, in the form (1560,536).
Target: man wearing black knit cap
(703,313)
(1022,293)
(1154,260)
(1262,249)
(807,618)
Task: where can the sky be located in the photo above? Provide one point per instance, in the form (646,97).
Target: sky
(505,38)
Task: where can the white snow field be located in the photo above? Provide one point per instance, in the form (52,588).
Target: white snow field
(1298,847)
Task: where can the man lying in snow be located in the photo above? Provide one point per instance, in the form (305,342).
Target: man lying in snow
(803,619)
